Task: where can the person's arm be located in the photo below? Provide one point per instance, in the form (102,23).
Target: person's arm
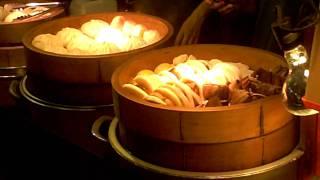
(190,29)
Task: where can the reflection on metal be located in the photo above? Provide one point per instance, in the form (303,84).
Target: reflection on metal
(112,134)
(12,72)
(96,126)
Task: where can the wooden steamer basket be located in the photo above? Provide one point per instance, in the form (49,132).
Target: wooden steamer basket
(12,33)
(70,77)
(12,68)
(204,139)
(66,93)
(12,58)
(72,123)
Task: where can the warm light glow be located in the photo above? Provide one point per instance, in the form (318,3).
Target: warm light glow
(114,36)
(297,56)
(295,63)
(102,38)
(306,73)
(215,76)
(185,72)
(33,4)
(302,60)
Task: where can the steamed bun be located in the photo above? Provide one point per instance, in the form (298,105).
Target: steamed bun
(14,15)
(117,22)
(93,27)
(97,37)
(81,42)
(50,43)
(67,34)
(151,36)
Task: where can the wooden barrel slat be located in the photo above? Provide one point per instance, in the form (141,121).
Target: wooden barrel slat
(205,127)
(162,153)
(218,157)
(284,168)
(281,142)
(70,122)
(12,67)
(214,157)
(166,126)
(100,94)
(12,56)
(275,114)
(4,60)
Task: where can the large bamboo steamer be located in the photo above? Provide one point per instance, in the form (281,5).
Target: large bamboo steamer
(69,77)
(286,167)
(71,123)
(88,69)
(12,57)
(204,139)
(12,33)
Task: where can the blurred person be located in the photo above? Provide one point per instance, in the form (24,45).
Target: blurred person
(244,22)
(220,21)
(240,22)
(174,11)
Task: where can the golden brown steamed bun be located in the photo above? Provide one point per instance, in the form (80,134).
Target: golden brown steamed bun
(151,36)
(14,15)
(128,27)
(81,43)
(67,34)
(50,43)
(138,30)
(93,27)
(135,43)
(117,22)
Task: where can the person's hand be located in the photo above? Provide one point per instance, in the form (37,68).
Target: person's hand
(190,29)
(221,6)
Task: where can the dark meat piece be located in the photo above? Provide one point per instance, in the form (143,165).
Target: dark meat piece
(210,90)
(279,75)
(238,96)
(263,75)
(213,102)
(266,89)
(276,77)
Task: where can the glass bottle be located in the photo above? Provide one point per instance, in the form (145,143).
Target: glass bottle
(295,84)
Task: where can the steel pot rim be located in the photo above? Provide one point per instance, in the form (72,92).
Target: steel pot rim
(44,103)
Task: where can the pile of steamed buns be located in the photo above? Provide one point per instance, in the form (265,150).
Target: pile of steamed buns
(97,37)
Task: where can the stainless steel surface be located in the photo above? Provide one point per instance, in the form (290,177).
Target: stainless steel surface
(96,126)
(12,72)
(33,4)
